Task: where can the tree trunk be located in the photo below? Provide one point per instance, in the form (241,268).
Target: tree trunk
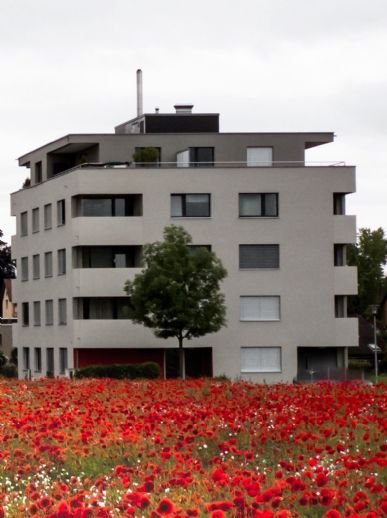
(181,359)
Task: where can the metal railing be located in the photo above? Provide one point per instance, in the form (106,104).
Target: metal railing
(328,374)
(222,164)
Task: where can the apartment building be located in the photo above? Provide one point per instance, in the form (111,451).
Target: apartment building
(278,225)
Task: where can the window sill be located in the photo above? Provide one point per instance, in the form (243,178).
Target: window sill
(261,372)
(258,217)
(272,320)
(191,217)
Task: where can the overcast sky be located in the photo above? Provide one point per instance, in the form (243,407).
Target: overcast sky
(264,65)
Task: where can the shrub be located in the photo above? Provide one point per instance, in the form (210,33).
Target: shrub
(149,370)
(9,371)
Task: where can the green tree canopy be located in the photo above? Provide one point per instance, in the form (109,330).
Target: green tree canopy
(370,256)
(178,292)
(7,268)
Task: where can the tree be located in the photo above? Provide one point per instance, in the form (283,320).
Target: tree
(369,254)
(7,268)
(178,292)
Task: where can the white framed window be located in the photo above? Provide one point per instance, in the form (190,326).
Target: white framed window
(258,256)
(259,156)
(24,223)
(63,360)
(48,264)
(260,359)
(258,205)
(49,309)
(61,212)
(190,205)
(259,308)
(62,261)
(35,220)
(36,266)
(36,307)
(62,312)
(47,216)
(24,268)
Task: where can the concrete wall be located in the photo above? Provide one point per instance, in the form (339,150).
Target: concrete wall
(305,230)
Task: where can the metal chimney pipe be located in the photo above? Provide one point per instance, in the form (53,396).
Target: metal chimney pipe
(139,92)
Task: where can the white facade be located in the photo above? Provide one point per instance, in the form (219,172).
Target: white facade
(288,304)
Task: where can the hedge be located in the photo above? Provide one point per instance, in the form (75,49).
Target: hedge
(149,370)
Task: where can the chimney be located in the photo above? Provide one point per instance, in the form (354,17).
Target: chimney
(139,92)
(183,108)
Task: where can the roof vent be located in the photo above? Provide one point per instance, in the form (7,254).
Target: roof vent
(183,108)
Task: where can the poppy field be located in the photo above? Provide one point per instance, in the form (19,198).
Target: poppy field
(206,448)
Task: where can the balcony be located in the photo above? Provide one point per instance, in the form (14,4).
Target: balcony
(347,332)
(101,282)
(112,333)
(345,279)
(107,231)
(344,229)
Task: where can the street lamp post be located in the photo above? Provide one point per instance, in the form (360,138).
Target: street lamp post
(374,311)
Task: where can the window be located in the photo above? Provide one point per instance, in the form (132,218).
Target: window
(340,306)
(47,216)
(258,205)
(26,358)
(49,310)
(35,220)
(201,156)
(50,361)
(62,360)
(36,266)
(112,206)
(61,212)
(38,172)
(62,261)
(24,223)
(259,156)
(102,308)
(259,308)
(37,359)
(190,205)
(48,264)
(25,314)
(62,312)
(258,256)
(261,359)
(36,307)
(24,268)
(339,254)
(339,203)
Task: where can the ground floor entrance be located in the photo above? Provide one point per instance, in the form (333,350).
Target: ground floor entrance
(315,363)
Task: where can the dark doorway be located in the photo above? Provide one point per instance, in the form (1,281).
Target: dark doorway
(198,362)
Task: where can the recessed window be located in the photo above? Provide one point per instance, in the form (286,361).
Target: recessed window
(102,308)
(63,361)
(36,266)
(47,216)
(24,223)
(61,212)
(201,156)
(36,307)
(62,261)
(35,220)
(37,359)
(62,312)
(109,206)
(340,306)
(339,254)
(260,359)
(259,156)
(25,314)
(259,308)
(258,256)
(26,358)
(24,268)
(48,264)
(339,203)
(258,205)
(190,205)
(49,312)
